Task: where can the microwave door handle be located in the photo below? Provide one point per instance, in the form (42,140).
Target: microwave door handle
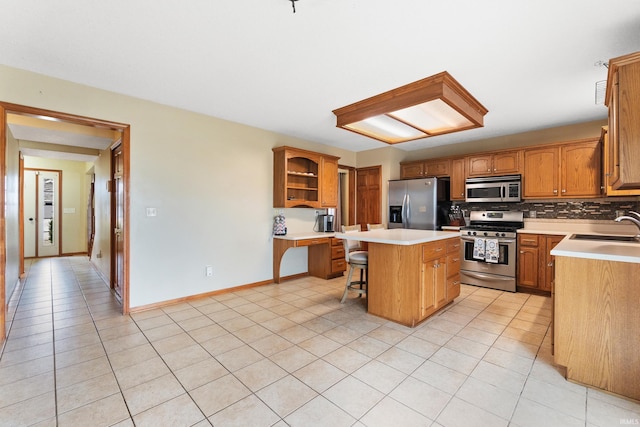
(504,191)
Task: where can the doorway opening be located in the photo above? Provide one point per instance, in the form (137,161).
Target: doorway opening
(19,119)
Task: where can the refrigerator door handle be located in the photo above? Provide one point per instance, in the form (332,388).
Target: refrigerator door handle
(405,208)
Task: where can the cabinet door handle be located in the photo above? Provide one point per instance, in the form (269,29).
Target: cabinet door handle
(564,191)
(521,252)
(555,191)
(550,264)
(438,249)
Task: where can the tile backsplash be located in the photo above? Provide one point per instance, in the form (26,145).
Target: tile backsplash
(584,209)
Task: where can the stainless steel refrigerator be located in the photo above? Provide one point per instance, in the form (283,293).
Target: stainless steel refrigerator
(418,203)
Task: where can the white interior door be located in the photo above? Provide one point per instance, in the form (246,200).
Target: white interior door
(30,213)
(48,214)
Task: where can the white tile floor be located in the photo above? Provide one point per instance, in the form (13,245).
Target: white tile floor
(280,355)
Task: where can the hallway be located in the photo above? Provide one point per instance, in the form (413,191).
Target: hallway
(280,355)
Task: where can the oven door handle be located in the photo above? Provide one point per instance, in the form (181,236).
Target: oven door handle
(486,276)
(471,239)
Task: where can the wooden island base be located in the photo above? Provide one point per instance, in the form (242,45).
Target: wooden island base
(409,283)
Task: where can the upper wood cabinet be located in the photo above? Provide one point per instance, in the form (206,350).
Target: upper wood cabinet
(504,163)
(608,170)
(328,182)
(304,178)
(410,170)
(565,170)
(458,177)
(623,92)
(425,168)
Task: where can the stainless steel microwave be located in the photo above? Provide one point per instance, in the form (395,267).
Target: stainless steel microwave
(494,189)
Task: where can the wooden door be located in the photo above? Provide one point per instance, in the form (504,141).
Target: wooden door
(541,173)
(91,216)
(117,220)
(368,196)
(30,217)
(458,178)
(506,163)
(581,169)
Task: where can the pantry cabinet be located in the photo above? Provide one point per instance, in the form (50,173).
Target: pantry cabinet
(623,92)
(535,263)
(563,170)
(304,178)
(503,163)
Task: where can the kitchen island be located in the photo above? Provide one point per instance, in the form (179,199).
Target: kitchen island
(412,273)
(596,313)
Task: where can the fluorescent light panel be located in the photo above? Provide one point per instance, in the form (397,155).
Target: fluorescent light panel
(431,106)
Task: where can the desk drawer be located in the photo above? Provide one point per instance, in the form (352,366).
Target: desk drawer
(338,265)
(309,242)
(337,252)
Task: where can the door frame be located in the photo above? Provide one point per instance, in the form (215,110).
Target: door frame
(125,130)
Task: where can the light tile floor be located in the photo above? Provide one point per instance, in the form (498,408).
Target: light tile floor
(287,354)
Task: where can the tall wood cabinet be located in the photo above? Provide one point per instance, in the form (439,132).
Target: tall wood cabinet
(623,92)
(304,178)
(564,170)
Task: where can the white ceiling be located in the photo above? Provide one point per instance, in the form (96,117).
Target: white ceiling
(529,62)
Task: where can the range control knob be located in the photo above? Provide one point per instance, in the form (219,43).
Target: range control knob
(503,235)
(498,234)
(485,233)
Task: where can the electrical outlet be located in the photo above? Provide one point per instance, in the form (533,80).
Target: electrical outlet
(209,271)
(533,214)
(619,213)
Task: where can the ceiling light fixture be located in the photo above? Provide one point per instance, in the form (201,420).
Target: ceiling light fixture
(432,106)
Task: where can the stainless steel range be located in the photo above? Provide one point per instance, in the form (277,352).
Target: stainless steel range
(489,249)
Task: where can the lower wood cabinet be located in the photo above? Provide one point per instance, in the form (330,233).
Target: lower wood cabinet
(535,263)
(327,260)
(409,283)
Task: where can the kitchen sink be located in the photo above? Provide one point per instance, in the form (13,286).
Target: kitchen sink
(605,238)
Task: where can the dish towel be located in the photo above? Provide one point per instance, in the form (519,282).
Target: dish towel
(478,248)
(492,251)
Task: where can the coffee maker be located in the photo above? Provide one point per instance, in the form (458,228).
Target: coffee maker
(325,223)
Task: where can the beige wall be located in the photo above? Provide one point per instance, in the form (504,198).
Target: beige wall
(209,179)
(74,196)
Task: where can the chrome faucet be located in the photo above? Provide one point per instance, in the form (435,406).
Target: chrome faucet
(634,219)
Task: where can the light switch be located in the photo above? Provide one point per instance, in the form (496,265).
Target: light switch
(152,212)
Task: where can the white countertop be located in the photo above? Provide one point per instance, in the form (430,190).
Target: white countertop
(398,236)
(571,226)
(304,236)
(594,249)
